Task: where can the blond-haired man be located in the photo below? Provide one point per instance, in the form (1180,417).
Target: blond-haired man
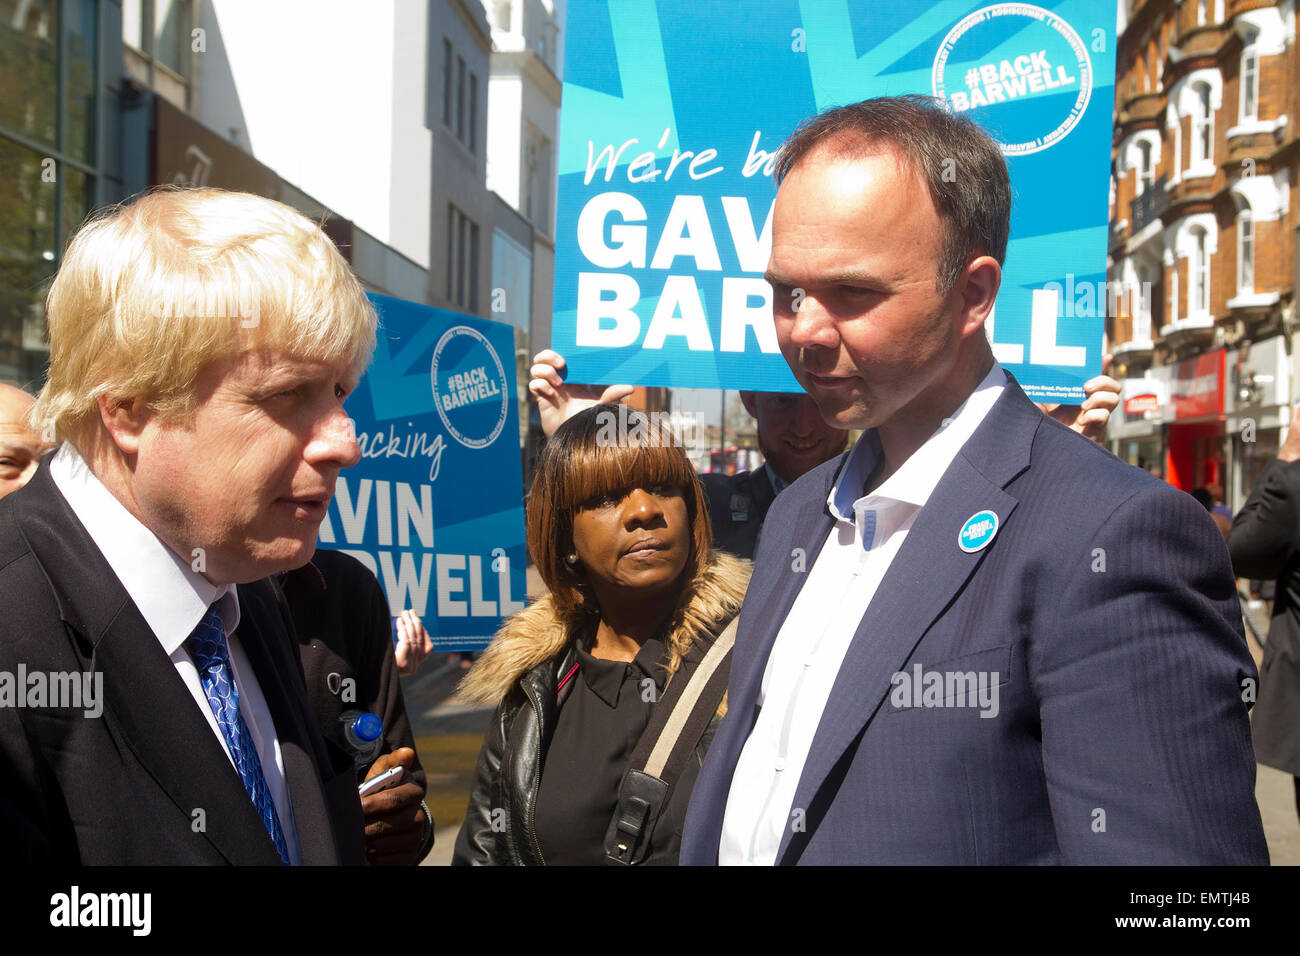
(201,346)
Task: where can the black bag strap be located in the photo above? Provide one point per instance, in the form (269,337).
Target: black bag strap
(679,721)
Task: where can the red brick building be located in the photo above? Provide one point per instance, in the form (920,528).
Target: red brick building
(1204,218)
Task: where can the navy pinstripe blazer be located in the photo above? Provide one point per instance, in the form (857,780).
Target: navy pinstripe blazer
(1106,605)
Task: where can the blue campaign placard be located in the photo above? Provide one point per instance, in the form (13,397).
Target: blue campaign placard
(435,506)
(673,110)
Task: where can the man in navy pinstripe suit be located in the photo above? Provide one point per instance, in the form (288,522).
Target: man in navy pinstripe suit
(975,637)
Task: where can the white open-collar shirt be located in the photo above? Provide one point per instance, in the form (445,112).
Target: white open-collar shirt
(809,649)
(173,598)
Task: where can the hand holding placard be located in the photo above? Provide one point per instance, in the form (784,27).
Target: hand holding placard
(558,401)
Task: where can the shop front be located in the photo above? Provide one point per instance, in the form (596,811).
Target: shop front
(1136,431)
(1258,403)
(1197,451)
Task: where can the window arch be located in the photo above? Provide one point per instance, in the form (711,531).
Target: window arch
(1141,305)
(1249,82)
(1146,172)
(1178,151)
(1173,292)
(1202,124)
(1245,251)
(1174,130)
(1198,273)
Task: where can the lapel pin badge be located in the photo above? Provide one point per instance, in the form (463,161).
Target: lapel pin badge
(977,532)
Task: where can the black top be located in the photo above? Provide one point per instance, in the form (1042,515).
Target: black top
(738,505)
(1265,543)
(345,644)
(606,709)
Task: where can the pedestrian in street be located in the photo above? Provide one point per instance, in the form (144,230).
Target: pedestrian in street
(1265,543)
(20,447)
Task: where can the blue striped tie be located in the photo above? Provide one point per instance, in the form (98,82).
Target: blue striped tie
(207,645)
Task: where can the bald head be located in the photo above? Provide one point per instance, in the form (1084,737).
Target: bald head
(20,446)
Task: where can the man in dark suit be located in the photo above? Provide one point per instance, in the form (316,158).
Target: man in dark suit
(976,637)
(345,645)
(794,439)
(1265,543)
(201,346)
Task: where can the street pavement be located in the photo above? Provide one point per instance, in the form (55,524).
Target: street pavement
(449,733)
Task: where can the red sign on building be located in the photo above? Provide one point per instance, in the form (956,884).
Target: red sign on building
(1140,404)
(1197,388)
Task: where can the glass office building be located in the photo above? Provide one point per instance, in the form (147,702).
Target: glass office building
(52,168)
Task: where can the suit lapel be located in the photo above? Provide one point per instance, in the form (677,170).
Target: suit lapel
(763,614)
(761,617)
(275,669)
(927,573)
(147,707)
(761,491)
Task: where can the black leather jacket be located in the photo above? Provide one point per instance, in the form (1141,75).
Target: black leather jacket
(499,826)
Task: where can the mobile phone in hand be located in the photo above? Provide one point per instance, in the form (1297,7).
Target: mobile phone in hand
(384,781)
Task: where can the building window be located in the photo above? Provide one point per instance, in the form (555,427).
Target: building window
(1173,293)
(1142,307)
(460,98)
(1202,12)
(451,244)
(48,163)
(1199,275)
(1249,85)
(473,111)
(537,179)
(446,83)
(473,268)
(462,260)
(1245,252)
(1176,160)
(1146,172)
(172,25)
(1203,125)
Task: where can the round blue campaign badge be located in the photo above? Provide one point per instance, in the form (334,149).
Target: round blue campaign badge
(469,387)
(1017,70)
(977,532)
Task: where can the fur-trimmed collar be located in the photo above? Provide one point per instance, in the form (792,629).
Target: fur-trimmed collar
(535,634)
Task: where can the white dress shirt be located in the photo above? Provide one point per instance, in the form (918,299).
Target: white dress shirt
(868,532)
(173,598)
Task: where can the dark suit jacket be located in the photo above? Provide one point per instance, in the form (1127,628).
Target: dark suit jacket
(1106,606)
(147,781)
(344,633)
(738,506)
(1265,543)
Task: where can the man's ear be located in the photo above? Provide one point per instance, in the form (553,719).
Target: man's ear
(124,420)
(977,290)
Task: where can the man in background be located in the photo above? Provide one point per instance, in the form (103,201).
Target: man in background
(1264,542)
(20,447)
